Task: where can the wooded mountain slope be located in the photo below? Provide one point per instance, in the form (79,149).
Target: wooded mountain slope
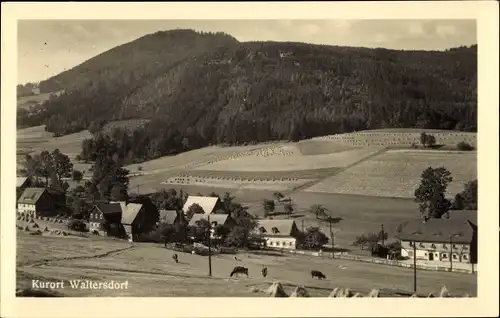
(202,88)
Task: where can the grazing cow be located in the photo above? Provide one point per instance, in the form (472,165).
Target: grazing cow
(176,258)
(239,270)
(317,274)
(264,272)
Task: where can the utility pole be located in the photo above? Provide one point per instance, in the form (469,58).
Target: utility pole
(414,267)
(382,234)
(138,189)
(302,225)
(451,255)
(209,247)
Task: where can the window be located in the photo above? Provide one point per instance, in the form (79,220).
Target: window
(275,230)
(100,216)
(411,243)
(421,245)
(433,246)
(425,254)
(444,255)
(262,229)
(465,248)
(454,246)
(445,246)
(290,243)
(455,256)
(465,257)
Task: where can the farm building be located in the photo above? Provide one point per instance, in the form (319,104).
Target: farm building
(171,217)
(22,182)
(208,204)
(36,202)
(278,233)
(441,240)
(104,213)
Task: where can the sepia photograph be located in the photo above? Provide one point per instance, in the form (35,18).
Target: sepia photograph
(246,158)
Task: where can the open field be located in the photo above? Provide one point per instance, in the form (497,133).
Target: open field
(401,137)
(149,269)
(353,215)
(396,173)
(26,102)
(291,162)
(313,147)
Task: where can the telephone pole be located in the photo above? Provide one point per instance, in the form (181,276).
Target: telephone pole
(382,234)
(209,247)
(414,267)
(451,255)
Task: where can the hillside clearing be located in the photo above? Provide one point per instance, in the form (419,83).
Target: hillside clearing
(397,173)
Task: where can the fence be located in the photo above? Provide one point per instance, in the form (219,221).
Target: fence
(349,257)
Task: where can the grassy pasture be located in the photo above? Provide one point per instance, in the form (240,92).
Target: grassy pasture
(397,173)
(150,271)
(313,147)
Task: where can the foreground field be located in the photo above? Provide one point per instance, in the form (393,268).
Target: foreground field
(396,173)
(150,271)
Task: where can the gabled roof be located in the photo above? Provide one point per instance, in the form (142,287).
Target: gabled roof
(20,181)
(129,212)
(108,208)
(221,219)
(437,230)
(275,227)
(31,195)
(206,203)
(168,216)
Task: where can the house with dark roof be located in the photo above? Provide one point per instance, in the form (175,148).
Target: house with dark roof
(171,217)
(444,240)
(36,202)
(103,216)
(208,204)
(278,233)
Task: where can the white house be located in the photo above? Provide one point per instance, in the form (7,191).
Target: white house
(441,240)
(278,233)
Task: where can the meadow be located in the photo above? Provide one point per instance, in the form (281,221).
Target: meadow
(149,268)
(396,173)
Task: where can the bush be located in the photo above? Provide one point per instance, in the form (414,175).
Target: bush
(463,146)
(77,225)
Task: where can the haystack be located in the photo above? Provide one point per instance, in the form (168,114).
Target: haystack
(444,292)
(299,291)
(26,228)
(276,290)
(357,295)
(335,292)
(414,295)
(60,221)
(32,220)
(345,293)
(18,217)
(374,293)
(35,226)
(46,229)
(431,295)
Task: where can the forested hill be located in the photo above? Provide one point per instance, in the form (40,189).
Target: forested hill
(210,88)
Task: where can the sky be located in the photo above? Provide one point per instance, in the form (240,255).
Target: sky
(48,47)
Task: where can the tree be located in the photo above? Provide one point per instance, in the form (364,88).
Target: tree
(245,224)
(427,140)
(370,239)
(268,206)
(77,175)
(62,164)
(467,199)
(319,211)
(119,192)
(313,238)
(194,209)
(431,192)
(278,196)
(288,209)
(463,146)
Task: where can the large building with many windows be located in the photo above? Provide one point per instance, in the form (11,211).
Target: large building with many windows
(443,240)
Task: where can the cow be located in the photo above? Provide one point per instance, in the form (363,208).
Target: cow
(317,274)
(264,272)
(176,258)
(239,270)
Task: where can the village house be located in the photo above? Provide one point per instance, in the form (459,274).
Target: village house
(21,184)
(285,54)
(442,240)
(104,213)
(215,220)
(36,202)
(278,233)
(171,217)
(209,204)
